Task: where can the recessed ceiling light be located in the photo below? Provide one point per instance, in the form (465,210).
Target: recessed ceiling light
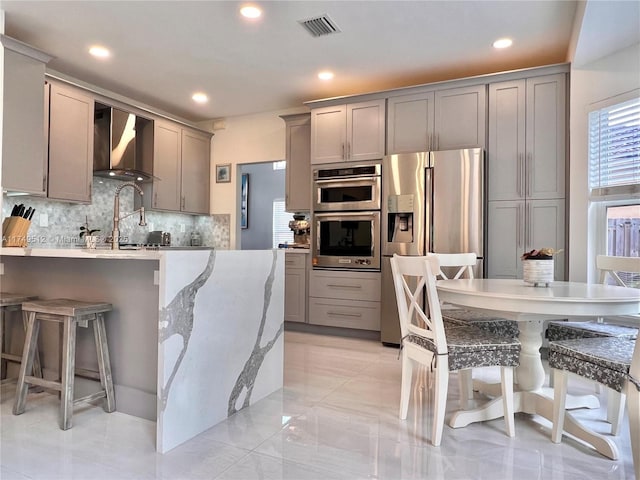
(200,98)
(326,75)
(250,11)
(100,52)
(502,43)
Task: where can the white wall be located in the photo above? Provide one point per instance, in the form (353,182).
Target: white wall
(612,75)
(245,139)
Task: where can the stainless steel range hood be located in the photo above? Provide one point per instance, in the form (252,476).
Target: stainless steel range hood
(122,145)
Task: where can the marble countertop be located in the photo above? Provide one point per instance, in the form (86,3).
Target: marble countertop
(76,252)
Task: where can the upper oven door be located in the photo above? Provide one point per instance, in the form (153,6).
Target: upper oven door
(343,194)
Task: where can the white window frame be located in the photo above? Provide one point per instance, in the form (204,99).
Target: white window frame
(598,204)
(623,192)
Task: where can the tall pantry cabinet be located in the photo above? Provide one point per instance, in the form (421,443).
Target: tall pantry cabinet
(526,165)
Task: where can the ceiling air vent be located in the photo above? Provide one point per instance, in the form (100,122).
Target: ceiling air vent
(321,25)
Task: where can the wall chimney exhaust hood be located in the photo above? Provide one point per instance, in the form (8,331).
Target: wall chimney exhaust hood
(123,145)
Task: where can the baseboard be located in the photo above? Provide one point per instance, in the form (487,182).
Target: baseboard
(335,331)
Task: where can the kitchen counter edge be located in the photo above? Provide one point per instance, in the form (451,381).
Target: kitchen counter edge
(90,253)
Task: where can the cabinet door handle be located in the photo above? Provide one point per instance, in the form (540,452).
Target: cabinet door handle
(183,202)
(90,190)
(519,175)
(528,174)
(44,183)
(340,314)
(343,157)
(335,285)
(528,223)
(519,226)
(155,199)
(348,150)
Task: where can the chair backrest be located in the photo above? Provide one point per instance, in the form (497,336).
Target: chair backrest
(464,261)
(611,266)
(413,278)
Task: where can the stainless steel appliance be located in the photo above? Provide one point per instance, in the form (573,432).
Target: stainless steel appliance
(431,202)
(300,228)
(347,240)
(346,188)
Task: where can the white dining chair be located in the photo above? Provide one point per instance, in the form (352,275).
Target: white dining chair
(456,266)
(611,361)
(610,267)
(425,341)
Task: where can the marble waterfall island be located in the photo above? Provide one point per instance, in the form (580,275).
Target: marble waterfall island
(220,338)
(195,335)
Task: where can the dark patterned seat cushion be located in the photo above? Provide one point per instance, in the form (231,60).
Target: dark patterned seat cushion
(490,323)
(603,359)
(573,330)
(470,347)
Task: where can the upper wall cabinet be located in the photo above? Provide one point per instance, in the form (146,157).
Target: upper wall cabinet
(24,167)
(410,123)
(70,139)
(351,132)
(181,167)
(460,120)
(298,153)
(196,153)
(527,138)
(441,120)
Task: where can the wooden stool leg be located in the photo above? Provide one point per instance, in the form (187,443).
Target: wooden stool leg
(68,372)
(28,353)
(37,367)
(104,363)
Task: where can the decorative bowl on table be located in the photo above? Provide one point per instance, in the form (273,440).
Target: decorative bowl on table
(538,266)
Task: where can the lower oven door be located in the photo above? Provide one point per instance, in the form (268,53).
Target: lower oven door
(347,240)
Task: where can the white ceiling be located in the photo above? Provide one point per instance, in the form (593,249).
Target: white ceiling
(165,51)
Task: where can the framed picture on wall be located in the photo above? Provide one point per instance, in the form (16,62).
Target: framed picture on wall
(223,173)
(244,201)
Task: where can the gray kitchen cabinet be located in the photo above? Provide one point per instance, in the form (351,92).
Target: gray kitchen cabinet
(295,287)
(460,118)
(526,162)
(196,160)
(518,226)
(167,146)
(351,132)
(410,123)
(181,169)
(527,126)
(437,120)
(298,156)
(24,162)
(345,299)
(70,143)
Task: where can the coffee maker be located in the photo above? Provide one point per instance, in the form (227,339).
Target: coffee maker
(301,229)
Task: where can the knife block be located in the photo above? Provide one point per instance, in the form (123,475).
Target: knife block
(14,231)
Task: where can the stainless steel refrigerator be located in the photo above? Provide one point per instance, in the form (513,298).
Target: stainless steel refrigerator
(431,202)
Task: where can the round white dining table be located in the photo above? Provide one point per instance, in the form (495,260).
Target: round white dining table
(517,300)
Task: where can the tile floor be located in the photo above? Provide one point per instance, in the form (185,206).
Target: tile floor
(336,418)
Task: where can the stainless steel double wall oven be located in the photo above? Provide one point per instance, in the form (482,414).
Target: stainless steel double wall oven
(346,217)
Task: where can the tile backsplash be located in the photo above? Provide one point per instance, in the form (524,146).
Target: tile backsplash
(64,220)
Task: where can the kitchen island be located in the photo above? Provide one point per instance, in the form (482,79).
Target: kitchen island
(194,335)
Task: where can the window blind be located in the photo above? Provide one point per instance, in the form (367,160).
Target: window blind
(281,231)
(614,150)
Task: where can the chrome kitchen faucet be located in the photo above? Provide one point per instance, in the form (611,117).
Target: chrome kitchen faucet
(115,234)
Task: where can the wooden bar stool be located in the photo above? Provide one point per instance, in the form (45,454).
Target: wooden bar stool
(12,302)
(70,313)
